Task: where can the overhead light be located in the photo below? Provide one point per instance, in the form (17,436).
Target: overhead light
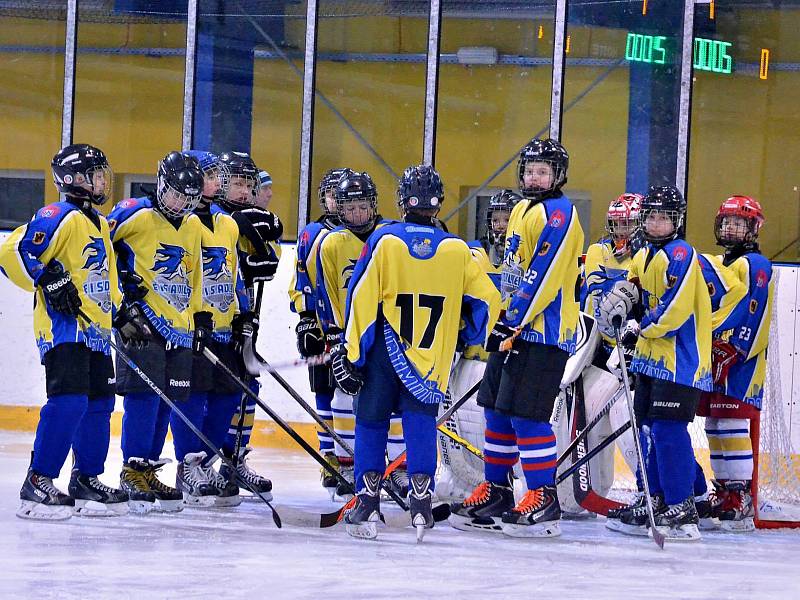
(477,55)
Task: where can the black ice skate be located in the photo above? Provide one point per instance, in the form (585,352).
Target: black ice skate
(329,482)
(362,520)
(42,501)
(346,470)
(133,481)
(95,499)
(483,509)
(398,481)
(190,480)
(633,519)
(168,499)
(709,505)
(538,514)
(244,474)
(616,513)
(679,522)
(225,490)
(419,502)
(736,512)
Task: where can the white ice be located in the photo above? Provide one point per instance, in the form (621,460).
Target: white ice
(236,553)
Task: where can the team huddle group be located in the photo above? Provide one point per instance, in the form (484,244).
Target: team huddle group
(398,319)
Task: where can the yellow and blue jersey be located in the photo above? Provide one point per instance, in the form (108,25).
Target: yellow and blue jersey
(416,282)
(601,270)
(540,271)
(302,289)
(169,261)
(675,332)
(223,288)
(727,293)
(61,232)
(750,335)
(481,256)
(338,253)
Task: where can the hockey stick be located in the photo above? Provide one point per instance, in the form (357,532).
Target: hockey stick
(459,440)
(592,453)
(200,435)
(658,537)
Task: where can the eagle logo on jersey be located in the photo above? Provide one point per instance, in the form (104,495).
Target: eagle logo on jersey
(38,238)
(97,286)
(347,272)
(421,247)
(171,281)
(217,278)
(544,249)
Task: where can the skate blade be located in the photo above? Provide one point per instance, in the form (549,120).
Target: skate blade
(227,501)
(746,525)
(578,516)
(709,524)
(546,529)
(256,497)
(190,501)
(168,506)
(91,508)
(463,523)
(620,527)
(36,511)
(365,531)
(140,507)
(684,533)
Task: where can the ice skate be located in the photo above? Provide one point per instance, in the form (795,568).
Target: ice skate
(168,499)
(226,491)
(538,514)
(678,522)
(709,505)
(398,481)
(328,480)
(419,501)
(42,501)
(346,470)
(95,499)
(362,520)
(133,481)
(736,512)
(190,480)
(483,509)
(256,483)
(633,519)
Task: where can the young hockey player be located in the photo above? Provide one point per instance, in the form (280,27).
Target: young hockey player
(65,256)
(303,301)
(158,246)
(739,364)
(410,288)
(460,471)
(264,196)
(520,385)
(672,359)
(357,209)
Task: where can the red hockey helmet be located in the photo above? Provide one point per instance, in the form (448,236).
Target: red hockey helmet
(738,221)
(622,221)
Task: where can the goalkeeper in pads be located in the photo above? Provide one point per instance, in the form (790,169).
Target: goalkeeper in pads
(409,291)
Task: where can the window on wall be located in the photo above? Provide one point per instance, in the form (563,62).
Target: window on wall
(745,121)
(370,95)
(494,96)
(249,95)
(621,101)
(32,71)
(129,85)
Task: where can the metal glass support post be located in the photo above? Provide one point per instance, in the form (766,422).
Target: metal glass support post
(307,121)
(559,59)
(432,82)
(70,44)
(188,78)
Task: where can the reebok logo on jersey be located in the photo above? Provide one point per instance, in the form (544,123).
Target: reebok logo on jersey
(112,380)
(183,383)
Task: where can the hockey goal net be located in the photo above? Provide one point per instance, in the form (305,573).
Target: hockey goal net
(776,458)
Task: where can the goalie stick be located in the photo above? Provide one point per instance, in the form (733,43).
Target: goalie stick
(275,517)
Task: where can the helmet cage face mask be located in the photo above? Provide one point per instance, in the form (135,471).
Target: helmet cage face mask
(738,221)
(496,225)
(675,216)
(348,210)
(241,189)
(98,182)
(82,172)
(222,174)
(622,222)
(545,151)
(174,203)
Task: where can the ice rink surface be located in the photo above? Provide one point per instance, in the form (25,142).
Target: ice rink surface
(238,553)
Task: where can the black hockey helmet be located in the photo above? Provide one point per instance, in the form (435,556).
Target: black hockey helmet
(503,201)
(420,188)
(82,171)
(665,199)
(352,190)
(544,151)
(327,184)
(243,180)
(180,184)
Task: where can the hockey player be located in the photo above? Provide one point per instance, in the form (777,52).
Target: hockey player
(409,290)
(672,359)
(519,388)
(460,471)
(357,209)
(65,256)
(739,363)
(158,245)
(303,301)
(264,196)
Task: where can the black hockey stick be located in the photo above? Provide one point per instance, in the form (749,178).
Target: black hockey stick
(592,453)
(200,435)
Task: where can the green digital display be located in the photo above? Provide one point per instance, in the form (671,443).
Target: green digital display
(646,48)
(712,55)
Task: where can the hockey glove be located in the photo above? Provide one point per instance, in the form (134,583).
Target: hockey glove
(132,326)
(259,226)
(132,287)
(243,326)
(723,357)
(500,338)
(347,377)
(310,341)
(59,291)
(203,326)
(259,267)
(614,307)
